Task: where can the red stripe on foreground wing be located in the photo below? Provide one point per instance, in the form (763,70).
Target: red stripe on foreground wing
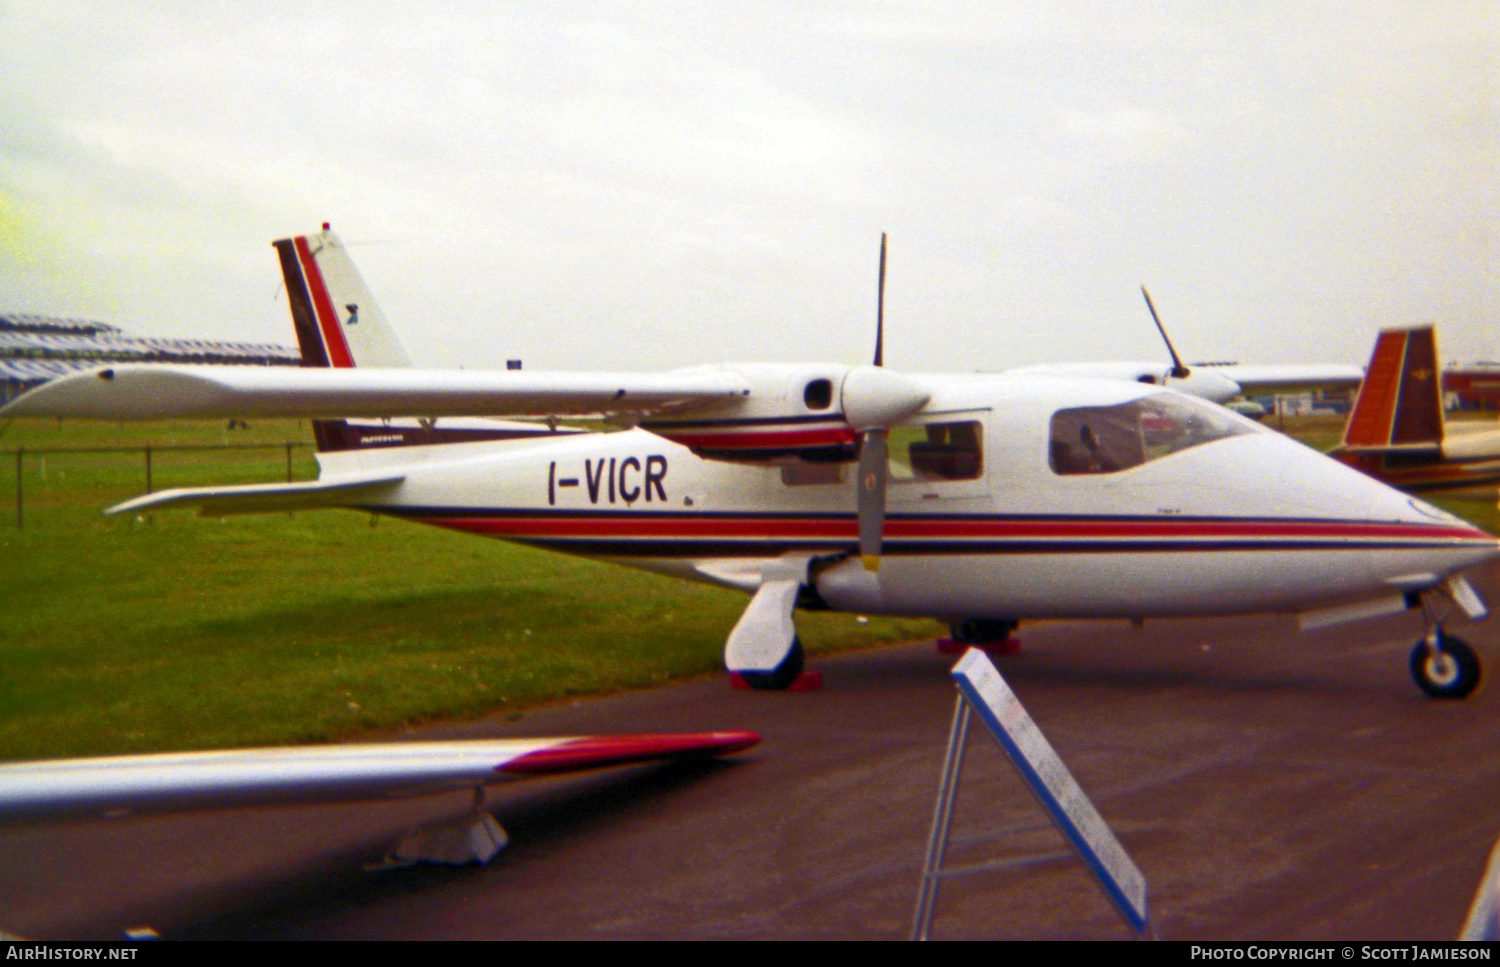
(605,750)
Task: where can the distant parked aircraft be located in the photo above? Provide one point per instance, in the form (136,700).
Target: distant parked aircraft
(1396,432)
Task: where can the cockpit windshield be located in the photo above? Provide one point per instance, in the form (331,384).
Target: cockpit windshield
(1108,439)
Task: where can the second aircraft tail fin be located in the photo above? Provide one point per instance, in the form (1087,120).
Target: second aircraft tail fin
(1400,403)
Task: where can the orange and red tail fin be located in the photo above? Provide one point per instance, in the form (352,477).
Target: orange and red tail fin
(1400,403)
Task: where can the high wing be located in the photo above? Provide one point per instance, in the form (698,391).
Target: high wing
(1217,383)
(76,788)
(146,391)
(1287,377)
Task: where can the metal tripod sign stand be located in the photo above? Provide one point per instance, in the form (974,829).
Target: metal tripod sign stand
(981,689)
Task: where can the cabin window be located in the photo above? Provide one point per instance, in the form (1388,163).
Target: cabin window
(936,451)
(1108,439)
(818,395)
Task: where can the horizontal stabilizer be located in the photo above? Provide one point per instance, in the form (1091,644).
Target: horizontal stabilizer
(78,788)
(152,392)
(264,498)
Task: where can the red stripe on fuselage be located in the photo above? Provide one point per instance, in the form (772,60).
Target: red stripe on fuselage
(328,319)
(646,525)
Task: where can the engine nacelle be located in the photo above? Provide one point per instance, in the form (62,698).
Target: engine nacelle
(791,412)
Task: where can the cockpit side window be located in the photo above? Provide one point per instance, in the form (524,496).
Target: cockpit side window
(1108,439)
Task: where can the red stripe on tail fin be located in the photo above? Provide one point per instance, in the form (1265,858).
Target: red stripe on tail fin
(327,316)
(1419,406)
(328,434)
(309,339)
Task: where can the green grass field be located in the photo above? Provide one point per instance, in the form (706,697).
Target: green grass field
(178,632)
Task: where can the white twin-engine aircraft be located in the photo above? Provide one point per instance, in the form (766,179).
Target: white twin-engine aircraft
(981,500)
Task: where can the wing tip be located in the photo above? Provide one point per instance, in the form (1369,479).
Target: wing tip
(605,750)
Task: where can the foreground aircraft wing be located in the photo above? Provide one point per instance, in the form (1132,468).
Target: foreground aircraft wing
(80,788)
(262,498)
(153,391)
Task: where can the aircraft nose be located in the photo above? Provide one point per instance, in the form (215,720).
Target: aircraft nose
(1409,543)
(1429,543)
(1470,544)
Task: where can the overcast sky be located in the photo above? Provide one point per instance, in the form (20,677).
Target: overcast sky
(642,185)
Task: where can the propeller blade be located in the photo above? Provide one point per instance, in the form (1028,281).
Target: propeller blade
(872,473)
(880,309)
(1179,371)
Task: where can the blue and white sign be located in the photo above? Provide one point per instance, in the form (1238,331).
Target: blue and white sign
(1054,786)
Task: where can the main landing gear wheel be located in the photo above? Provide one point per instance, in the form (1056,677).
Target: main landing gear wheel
(1451,670)
(782,676)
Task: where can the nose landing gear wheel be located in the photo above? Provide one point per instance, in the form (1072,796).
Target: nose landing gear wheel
(1450,671)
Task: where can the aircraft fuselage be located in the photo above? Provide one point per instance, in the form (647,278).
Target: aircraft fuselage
(1000,526)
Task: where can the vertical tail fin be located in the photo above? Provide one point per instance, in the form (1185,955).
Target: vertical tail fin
(339,326)
(1400,403)
(338,323)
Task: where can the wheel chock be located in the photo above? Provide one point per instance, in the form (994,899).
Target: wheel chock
(1010,646)
(810,681)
